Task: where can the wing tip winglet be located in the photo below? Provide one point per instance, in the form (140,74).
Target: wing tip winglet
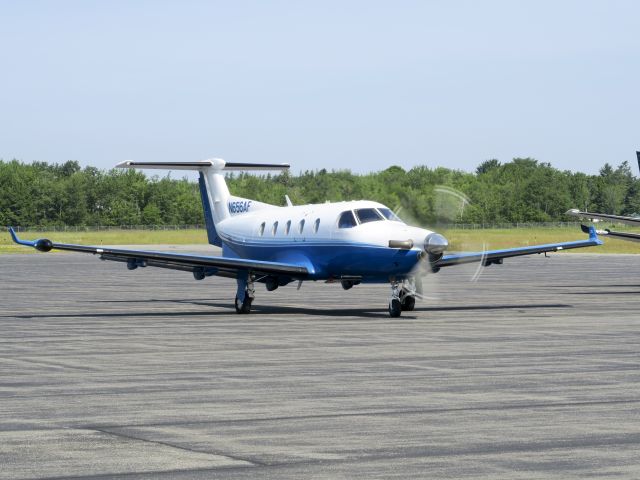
(18,240)
(585,229)
(593,233)
(14,237)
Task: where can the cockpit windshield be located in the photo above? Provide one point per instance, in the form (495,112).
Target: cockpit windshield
(389,215)
(366,215)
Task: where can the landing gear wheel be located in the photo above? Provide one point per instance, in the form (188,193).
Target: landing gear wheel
(409,303)
(395,308)
(243,307)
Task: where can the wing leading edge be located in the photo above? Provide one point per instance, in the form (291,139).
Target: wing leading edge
(496,256)
(200,266)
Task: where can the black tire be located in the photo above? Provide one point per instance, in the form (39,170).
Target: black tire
(395,309)
(243,307)
(409,303)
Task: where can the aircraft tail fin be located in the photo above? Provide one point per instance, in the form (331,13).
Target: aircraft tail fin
(218,204)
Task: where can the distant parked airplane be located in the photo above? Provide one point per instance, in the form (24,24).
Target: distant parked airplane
(614,218)
(348,242)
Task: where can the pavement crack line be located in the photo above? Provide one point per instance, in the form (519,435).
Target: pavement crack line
(250,461)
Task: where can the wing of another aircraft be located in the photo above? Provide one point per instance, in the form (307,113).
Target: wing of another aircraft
(200,266)
(613,218)
(604,216)
(490,257)
(622,235)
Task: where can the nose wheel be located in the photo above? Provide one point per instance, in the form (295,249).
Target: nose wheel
(395,308)
(403,297)
(408,303)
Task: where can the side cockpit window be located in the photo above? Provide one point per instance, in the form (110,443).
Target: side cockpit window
(366,215)
(389,215)
(347,220)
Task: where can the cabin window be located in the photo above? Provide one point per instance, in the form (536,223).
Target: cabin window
(301,226)
(287,227)
(347,220)
(366,215)
(261,229)
(316,225)
(274,229)
(389,215)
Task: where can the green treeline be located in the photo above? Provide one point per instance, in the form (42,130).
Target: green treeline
(523,190)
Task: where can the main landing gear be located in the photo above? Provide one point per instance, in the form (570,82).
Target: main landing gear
(403,297)
(245,293)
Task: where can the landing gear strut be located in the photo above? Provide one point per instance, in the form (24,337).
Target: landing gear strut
(245,293)
(403,297)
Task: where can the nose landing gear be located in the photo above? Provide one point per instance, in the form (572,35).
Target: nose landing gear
(403,297)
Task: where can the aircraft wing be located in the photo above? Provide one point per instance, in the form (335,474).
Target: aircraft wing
(490,257)
(199,265)
(623,235)
(603,216)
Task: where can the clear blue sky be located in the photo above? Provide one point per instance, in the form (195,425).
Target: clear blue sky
(359,85)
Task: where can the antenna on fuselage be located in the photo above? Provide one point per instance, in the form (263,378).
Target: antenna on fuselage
(289,204)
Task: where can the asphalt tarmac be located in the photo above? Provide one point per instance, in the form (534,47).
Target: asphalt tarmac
(528,370)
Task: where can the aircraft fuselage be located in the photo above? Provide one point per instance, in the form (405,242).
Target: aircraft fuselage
(311,235)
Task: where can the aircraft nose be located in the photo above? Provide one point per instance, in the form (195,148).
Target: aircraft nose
(435,244)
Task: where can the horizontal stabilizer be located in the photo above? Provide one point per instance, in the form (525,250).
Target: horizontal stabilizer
(214,163)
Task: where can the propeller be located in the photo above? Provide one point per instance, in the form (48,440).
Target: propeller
(448,206)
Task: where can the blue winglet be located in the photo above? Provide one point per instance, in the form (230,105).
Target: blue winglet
(593,235)
(15,238)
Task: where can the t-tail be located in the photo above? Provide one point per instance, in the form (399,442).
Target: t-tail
(218,204)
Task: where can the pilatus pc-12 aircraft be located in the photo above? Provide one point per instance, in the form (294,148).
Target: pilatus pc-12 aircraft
(612,218)
(348,242)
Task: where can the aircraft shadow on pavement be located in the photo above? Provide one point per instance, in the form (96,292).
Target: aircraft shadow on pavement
(224,309)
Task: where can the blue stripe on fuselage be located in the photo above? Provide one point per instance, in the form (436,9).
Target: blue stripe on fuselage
(329,259)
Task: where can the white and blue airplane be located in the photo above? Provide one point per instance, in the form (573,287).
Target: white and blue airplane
(348,242)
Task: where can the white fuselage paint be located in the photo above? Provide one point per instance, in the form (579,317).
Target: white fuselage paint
(268,224)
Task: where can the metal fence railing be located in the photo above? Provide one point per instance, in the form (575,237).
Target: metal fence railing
(98,228)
